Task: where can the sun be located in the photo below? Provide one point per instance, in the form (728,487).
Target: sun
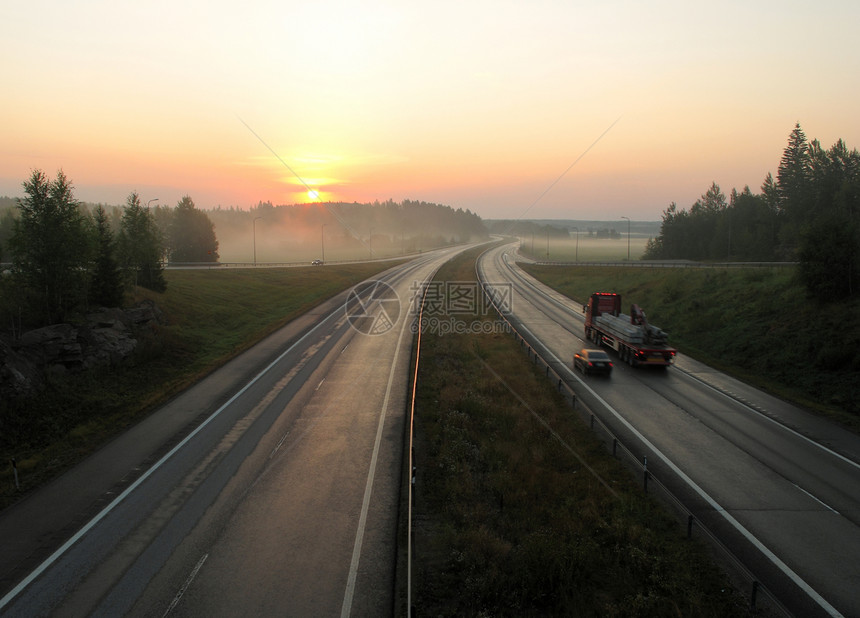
(313,194)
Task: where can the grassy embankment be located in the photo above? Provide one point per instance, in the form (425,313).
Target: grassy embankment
(510,521)
(211,316)
(756,323)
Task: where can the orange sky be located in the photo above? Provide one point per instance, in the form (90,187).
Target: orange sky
(479,105)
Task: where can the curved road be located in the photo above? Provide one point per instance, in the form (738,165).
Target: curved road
(277,497)
(779,486)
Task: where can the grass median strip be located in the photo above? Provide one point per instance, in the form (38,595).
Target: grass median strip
(519,510)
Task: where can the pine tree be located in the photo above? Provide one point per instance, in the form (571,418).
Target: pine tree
(49,247)
(192,234)
(106,286)
(793,177)
(141,246)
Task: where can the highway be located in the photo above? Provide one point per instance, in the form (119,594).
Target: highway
(270,488)
(779,486)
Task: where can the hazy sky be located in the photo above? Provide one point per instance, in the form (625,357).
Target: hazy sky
(479,105)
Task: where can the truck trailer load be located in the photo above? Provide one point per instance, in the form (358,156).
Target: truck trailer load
(636,341)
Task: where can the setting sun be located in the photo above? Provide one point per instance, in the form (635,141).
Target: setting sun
(313,194)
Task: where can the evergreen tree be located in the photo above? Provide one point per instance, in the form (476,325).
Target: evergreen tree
(192,234)
(829,257)
(770,193)
(793,177)
(141,246)
(49,247)
(106,285)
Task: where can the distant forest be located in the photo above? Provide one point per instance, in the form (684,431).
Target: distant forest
(379,228)
(810,214)
(66,255)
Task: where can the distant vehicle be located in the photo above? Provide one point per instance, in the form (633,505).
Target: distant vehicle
(636,341)
(592,361)
(317,263)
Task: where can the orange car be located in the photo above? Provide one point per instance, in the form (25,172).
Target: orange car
(592,361)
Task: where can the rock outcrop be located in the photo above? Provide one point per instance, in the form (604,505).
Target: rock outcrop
(106,337)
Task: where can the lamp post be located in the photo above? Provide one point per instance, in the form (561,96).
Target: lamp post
(628,237)
(577,244)
(547,243)
(155,199)
(371,243)
(322,241)
(255,238)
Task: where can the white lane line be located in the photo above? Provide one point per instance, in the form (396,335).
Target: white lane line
(348,594)
(278,447)
(766,417)
(185,586)
(832,611)
(104,512)
(320,384)
(731,396)
(824,504)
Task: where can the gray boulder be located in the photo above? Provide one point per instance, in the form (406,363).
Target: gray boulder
(107,337)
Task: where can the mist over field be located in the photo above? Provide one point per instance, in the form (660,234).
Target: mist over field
(568,240)
(339,231)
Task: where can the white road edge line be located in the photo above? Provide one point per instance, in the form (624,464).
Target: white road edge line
(772,420)
(104,512)
(348,594)
(832,611)
(705,496)
(824,504)
(690,375)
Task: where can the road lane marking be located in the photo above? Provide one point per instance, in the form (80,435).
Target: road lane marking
(732,396)
(815,596)
(824,504)
(346,608)
(772,420)
(141,479)
(280,443)
(185,586)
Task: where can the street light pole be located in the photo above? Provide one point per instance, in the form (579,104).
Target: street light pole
(322,240)
(155,199)
(628,237)
(255,239)
(577,244)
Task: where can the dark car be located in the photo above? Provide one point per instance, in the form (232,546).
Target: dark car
(592,361)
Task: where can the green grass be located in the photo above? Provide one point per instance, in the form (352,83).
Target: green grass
(756,323)
(210,316)
(508,522)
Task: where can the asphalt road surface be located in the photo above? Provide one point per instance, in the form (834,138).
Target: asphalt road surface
(270,488)
(779,486)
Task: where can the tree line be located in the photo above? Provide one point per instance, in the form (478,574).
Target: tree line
(808,213)
(410,224)
(66,257)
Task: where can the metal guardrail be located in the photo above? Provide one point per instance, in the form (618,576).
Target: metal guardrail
(669,264)
(641,465)
(411,447)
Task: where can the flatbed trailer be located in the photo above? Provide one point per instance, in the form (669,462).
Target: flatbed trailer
(636,342)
